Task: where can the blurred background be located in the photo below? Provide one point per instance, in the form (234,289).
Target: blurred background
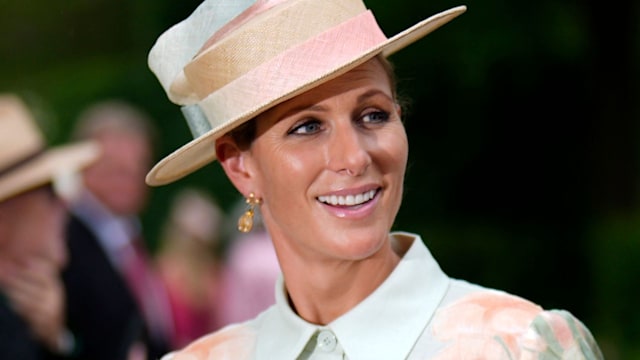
(524,132)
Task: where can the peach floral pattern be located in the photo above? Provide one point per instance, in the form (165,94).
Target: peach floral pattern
(235,342)
(495,325)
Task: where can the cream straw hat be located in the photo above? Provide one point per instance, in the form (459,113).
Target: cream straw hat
(25,162)
(233,59)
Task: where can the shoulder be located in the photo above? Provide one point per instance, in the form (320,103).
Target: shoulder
(508,326)
(234,342)
(558,333)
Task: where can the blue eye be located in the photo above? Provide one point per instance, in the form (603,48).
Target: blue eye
(306,128)
(376,117)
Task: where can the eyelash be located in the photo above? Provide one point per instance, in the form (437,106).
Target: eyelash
(296,130)
(381,118)
(380,114)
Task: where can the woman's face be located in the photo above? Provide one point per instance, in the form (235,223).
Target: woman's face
(329,166)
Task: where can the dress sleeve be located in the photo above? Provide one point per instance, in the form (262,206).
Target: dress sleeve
(492,324)
(557,334)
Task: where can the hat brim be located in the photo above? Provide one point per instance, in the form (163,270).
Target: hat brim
(46,167)
(201,151)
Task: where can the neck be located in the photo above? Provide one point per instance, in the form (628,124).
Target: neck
(322,291)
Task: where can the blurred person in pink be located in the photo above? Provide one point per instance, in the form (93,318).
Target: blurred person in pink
(32,248)
(117,306)
(190,262)
(251,270)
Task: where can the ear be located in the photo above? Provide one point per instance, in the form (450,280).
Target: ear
(234,163)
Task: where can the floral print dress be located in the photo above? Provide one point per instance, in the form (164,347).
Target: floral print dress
(501,326)
(418,312)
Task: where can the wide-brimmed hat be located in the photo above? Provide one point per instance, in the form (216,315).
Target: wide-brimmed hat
(231,60)
(25,161)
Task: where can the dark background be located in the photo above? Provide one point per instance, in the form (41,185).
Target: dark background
(524,129)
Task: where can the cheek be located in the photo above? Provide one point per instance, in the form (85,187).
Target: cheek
(394,152)
(403,158)
(393,165)
(285,177)
(284,171)
(32,239)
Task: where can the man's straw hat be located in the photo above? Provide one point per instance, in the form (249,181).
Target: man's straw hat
(233,59)
(25,162)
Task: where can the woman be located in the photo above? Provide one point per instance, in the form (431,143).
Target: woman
(296,100)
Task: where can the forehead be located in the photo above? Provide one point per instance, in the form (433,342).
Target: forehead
(372,74)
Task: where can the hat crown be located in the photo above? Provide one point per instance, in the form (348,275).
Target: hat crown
(258,34)
(19,135)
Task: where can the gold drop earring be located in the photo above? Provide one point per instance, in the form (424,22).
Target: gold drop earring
(245,223)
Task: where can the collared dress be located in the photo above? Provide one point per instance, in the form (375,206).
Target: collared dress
(418,312)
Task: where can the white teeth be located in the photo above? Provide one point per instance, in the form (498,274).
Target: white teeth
(349,200)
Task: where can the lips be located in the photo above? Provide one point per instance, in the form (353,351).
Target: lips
(348,200)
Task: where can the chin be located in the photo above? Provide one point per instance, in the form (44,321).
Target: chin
(362,245)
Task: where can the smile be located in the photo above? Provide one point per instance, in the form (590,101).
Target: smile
(348,200)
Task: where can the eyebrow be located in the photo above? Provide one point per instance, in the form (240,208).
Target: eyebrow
(361,98)
(371,93)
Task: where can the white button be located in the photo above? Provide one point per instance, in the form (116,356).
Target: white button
(327,341)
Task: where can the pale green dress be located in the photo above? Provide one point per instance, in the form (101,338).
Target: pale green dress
(417,313)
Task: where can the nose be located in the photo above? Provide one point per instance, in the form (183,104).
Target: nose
(348,151)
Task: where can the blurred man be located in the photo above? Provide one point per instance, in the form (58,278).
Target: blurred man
(116,306)
(32,250)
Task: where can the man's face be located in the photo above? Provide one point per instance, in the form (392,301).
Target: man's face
(32,225)
(117,178)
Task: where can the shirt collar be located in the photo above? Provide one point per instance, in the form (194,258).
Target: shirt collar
(385,325)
